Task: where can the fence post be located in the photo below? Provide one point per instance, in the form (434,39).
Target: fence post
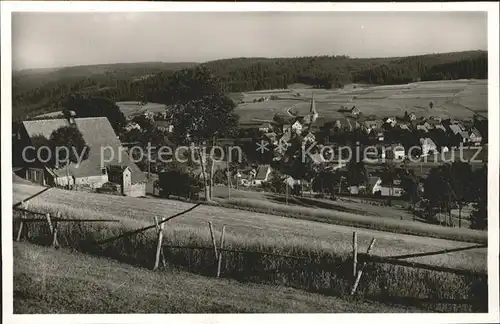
(20,230)
(220,250)
(162,254)
(51,228)
(159,230)
(55,243)
(354,253)
(360,272)
(213,240)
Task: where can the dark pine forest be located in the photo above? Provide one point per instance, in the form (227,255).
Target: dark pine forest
(45,90)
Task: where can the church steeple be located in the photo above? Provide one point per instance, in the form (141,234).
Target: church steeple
(312,109)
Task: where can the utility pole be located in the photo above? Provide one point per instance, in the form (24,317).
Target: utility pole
(287,185)
(237,178)
(228,175)
(149,168)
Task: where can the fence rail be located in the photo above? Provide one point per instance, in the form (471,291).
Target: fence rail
(52,222)
(360,260)
(194,247)
(418,265)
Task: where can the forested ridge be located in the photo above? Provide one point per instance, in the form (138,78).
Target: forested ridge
(41,91)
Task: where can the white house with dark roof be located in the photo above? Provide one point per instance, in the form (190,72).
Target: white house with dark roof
(262,175)
(297,127)
(475,137)
(265,127)
(346,124)
(105,152)
(455,129)
(428,146)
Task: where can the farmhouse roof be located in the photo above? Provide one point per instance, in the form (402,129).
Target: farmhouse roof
(441,127)
(427,141)
(464,135)
(455,128)
(286,137)
(98,135)
(348,123)
(422,128)
(262,171)
(475,132)
(117,168)
(373,123)
(373,181)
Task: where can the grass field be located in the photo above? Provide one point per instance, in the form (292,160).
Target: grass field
(323,250)
(451,99)
(132,108)
(128,108)
(247,228)
(57,281)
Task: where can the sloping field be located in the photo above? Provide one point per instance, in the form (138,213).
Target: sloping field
(131,108)
(247,227)
(44,278)
(382,101)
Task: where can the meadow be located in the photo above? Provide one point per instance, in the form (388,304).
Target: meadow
(325,247)
(133,108)
(44,278)
(455,99)
(300,227)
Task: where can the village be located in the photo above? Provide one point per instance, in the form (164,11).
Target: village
(403,141)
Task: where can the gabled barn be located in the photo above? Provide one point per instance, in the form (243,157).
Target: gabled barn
(106,154)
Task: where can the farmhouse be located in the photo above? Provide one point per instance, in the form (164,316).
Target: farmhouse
(272,137)
(377,134)
(412,116)
(455,129)
(428,146)
(132,125)
(374,184)
(392,121)
(105,155)
(355,111)
(463,137)
(475,137)
(396,151)
(422,128)
(440,128)
(404,127)
(346,124)
(309,137)
(263,172)
(164,125)
(266,127)
(370,125)
(391,191)
(297,127)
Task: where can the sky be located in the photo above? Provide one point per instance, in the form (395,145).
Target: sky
(44,40)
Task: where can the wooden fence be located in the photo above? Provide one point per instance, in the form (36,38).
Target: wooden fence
(52,222)
(359,260)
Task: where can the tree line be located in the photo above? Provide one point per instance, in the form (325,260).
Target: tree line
(37,93)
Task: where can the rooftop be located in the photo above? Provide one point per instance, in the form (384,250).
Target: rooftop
(99,136)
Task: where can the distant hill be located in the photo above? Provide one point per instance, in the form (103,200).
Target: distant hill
(42,91)
(36,77)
